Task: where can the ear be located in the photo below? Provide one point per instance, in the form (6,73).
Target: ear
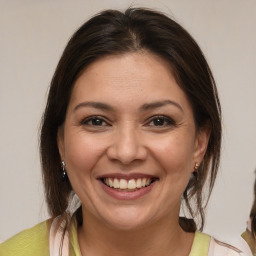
(201,143)
(60,141)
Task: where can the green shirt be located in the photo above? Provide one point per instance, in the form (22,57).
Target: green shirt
(35,241)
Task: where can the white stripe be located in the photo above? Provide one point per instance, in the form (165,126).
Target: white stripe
(56,235)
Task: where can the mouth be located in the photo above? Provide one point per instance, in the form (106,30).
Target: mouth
(128,185)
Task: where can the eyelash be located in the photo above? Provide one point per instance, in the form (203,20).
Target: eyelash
(164,121)
(94,118)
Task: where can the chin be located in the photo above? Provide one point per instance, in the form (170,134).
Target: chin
(127,220)
(122,225)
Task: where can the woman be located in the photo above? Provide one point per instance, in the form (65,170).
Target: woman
(132,128)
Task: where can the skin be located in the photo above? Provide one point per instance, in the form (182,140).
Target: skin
(131,134)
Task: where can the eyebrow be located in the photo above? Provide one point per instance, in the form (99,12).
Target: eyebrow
(144,107)
(98,105)
(158,104)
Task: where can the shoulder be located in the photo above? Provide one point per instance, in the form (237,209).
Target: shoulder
(205,245)
(33,241)
(200,244)
(220,248)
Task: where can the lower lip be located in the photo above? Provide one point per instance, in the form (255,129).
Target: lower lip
(127,195)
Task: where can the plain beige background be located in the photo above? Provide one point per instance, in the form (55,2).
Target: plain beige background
(33,34)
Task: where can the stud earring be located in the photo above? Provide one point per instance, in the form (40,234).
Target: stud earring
(194,173)
(64,175)
(196,167)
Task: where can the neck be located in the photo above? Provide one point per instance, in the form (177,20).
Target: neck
(161,238)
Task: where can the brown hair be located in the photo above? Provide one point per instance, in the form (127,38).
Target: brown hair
(253,212)
(113,32)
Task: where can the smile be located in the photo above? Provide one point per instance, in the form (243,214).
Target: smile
(127,185)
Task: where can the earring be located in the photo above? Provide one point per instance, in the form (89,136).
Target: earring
(195,170)
(196,167)
(64,175)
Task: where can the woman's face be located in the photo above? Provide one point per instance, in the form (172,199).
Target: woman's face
(129,141)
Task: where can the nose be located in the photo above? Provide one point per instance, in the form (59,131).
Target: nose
(127,146)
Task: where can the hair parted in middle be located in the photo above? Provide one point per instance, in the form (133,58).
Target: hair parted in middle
(112,32)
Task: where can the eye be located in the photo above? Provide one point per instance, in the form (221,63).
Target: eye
(161,121)
(94,121)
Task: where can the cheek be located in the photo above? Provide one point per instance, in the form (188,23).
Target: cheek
(173,156)
(174,153)
(82,152)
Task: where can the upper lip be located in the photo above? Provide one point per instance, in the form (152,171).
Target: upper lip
(126,176)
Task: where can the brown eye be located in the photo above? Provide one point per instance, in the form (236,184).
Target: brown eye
(94,121)
(97,121)
(161,121)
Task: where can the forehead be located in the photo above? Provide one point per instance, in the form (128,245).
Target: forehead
(135,66)
(132,77)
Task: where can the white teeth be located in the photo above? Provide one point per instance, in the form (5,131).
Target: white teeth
(131,184)
(123,184)
(138,183)
(116,183)
(107,182)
